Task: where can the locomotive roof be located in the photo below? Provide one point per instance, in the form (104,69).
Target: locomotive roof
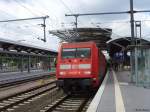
(82,44)
(90,42)
(98,35)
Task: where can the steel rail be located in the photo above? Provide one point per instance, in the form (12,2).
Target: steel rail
(82,105)
(79,107)
(58,103)
(13,83)
(26,98)
(26,91)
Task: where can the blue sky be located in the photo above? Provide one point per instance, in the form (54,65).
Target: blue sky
(29,31)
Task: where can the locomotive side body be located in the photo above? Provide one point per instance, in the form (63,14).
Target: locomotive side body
(80,65)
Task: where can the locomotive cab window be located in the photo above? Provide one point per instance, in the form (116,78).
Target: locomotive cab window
(83,53)
(76,53)
(68,53)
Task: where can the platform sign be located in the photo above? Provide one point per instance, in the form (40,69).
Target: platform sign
(119,56)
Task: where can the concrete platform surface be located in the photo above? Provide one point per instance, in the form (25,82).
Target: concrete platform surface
(120,95)
(136,99)
(16,76)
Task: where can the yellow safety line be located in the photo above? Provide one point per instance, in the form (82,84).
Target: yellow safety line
(118,97)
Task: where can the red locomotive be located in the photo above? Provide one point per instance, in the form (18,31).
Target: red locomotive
(80,65)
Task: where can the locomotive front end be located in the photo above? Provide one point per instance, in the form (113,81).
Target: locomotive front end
(74,68)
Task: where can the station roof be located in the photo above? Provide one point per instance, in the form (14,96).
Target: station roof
(117,45)
(9,46)
(98,35)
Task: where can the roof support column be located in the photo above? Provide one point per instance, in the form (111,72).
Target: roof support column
(132,58)
(1,63)
(21,64)
(36,62)
(29,63)
(49,63)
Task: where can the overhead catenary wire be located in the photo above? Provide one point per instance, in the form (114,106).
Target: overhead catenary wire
(144,20)
(50,21)
(15,17)
(17,31)
(26,8)
(119,26)
(69,11)
(64,4)
(23,20)
(43,25)
(43,14)
(117,35)
(33,12)
(5,24)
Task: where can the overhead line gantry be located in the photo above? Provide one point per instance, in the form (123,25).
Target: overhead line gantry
(24,19)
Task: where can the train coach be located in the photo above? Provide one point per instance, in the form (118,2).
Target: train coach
(80,65)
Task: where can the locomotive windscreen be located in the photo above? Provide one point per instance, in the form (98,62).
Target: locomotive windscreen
(76,53)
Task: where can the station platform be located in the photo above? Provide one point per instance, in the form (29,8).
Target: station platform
(117,94)
(16,76)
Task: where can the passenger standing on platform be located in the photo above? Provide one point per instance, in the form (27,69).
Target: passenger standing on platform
(116,66)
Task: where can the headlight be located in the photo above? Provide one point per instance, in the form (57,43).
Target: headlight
(65,66)
(87,72)
(62,73)
(84,66)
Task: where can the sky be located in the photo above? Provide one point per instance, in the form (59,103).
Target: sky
(31,32)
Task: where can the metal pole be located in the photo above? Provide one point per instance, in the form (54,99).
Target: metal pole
(132,58)
(49,63)
(29,63)
(21,63)
(76,24)
(36,62)
(1,63)
(132,22)
(140,34)
(136,32)
(136,67)
(44,28)
(138,25)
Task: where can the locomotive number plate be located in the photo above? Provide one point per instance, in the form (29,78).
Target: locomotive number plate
(75,66)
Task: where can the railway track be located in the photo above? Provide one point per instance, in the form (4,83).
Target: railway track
(68,103)
(10,102)
(11,83)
